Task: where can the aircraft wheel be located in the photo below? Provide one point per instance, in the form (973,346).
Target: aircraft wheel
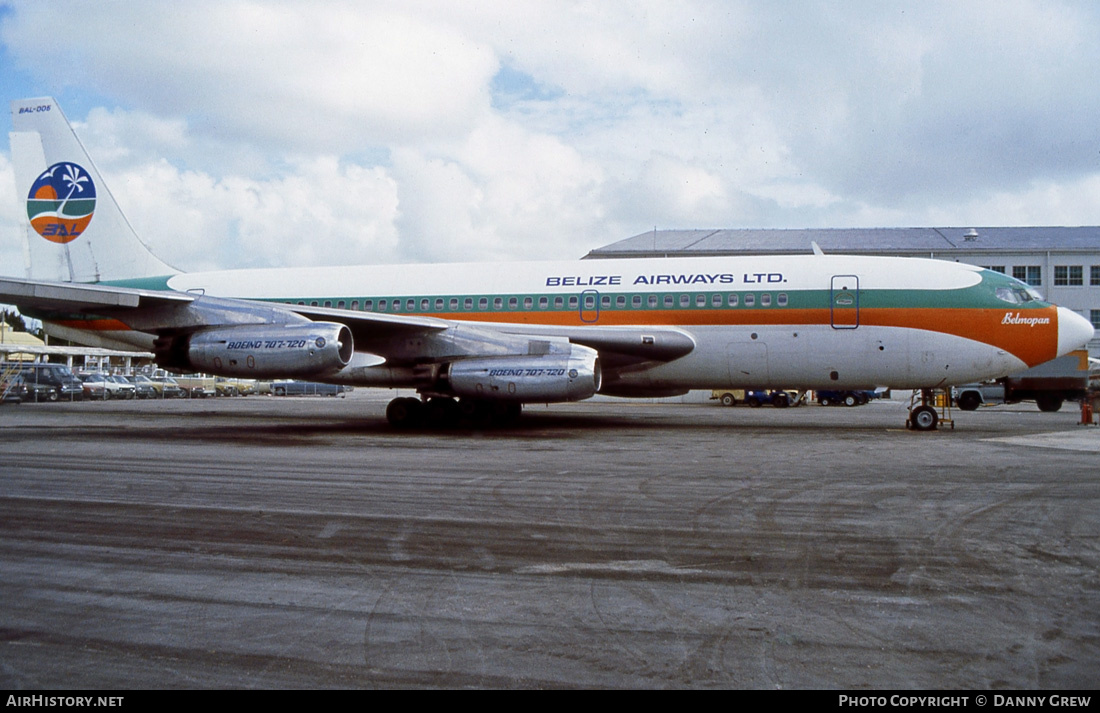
(404,412)
(969,401)
(508,413)
(441,412)
(924,418)
(1048,403)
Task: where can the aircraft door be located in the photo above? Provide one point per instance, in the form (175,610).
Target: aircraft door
(844,302)
(747,361)
(590,306)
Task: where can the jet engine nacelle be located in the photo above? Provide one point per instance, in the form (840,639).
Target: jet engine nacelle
(571,376)
(310,349)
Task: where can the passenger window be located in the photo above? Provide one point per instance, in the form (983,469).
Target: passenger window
(652,300)
(574,302)
(454,303)
(328,303)
(410,305)
(559,302)
(368,305)
(636,301)
(544,302)
(483,303)
(750,300)
(381,305)
(765,300)
(685,300)
(605,300)
(340,304)
(669,300)
(731,300)
(716,300)
(439,303)
(513,302)
(528,302)
(700,300)
(498,303)
(468,303)
(781,299)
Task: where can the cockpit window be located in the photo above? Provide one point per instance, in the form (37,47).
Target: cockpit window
(1016,295)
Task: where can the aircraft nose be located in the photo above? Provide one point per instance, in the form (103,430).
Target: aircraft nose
(1074,331)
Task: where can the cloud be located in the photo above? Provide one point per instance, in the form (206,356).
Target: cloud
(309,76)
(320,213)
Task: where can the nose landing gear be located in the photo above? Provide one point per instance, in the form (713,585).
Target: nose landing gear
(928,408)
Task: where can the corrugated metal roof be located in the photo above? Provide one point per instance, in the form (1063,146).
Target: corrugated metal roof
(854,241)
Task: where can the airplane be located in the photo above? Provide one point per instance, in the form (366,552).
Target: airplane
(478,341)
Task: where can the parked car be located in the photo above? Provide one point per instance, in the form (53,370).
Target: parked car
(166,386)
(197,386)
(95,385)
(52,382)
(13,390)
(143,387)
(290,387)
(123,388)
(227,387)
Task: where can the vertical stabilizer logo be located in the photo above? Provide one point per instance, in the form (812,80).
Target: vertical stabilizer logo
(61,202)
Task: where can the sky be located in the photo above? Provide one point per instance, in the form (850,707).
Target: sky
(279,133)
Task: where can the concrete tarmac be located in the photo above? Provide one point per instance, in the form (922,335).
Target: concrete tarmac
(262,542)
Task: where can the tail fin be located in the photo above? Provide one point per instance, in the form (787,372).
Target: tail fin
(75,231)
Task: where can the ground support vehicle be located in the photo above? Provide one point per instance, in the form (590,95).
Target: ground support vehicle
(779,398)
(728,397)
(846,398)
(1049,385)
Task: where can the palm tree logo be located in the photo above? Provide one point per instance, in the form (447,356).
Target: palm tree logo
(73,177)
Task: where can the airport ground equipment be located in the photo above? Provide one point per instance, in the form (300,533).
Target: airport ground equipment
(1049,385)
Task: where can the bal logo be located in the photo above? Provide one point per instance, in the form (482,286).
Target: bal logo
(61,202)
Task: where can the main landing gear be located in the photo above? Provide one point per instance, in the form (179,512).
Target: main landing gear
(926,415)
(439,412)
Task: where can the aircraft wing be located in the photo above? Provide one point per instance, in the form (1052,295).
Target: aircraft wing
(392,337)
(167,310)
(81,298)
